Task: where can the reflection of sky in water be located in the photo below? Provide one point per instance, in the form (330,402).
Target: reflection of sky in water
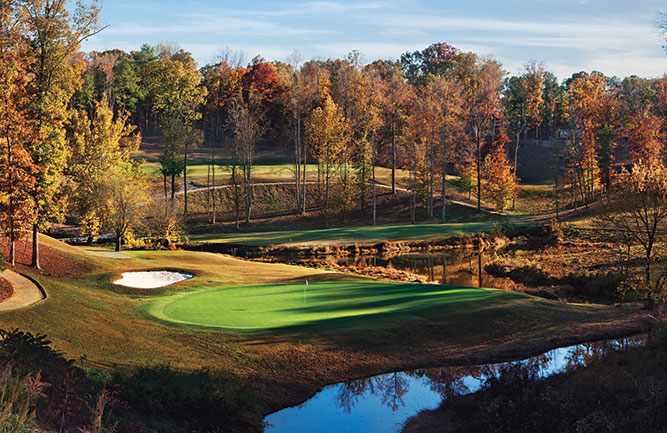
(384,403)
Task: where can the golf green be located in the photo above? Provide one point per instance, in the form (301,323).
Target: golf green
(291,304)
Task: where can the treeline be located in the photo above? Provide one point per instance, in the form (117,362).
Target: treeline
(433,112)
(70,120)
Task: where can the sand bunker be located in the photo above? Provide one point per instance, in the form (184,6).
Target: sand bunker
(152,279)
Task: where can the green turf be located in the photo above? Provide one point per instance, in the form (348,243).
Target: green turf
(363,235)
(294,304)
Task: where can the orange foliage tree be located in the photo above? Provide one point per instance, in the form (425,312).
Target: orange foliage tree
(646,138)
(17,170)
(501,183)
(594,108)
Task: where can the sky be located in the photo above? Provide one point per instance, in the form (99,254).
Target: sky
(616,37)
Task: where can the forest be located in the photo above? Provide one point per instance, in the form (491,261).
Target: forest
(76,118)
(302,172)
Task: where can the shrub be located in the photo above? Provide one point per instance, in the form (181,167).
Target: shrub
(3,262)
(504,228)
(199,401)
(657,339)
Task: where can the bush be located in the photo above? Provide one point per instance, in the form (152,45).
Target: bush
(657,339)
(3,262)
(198,401)
(504,228)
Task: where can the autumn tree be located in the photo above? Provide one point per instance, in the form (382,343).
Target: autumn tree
(315,84)
(326,133)
(445,100)
(299,100)
(516,111)
(481,79)
(434,60)
(398,96)
(501,185)
(17,170)
(246,120)
(593,106)
(54,38)
(345,74)
(638,212)
(176,92)
(366,102)
(127,196)
(534,76)
(99,146)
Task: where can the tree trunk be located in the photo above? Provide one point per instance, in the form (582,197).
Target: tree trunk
(185,182)
(393,155)
(173,189)
(208,191)
(374,188)
(248,191)
(164,182)
(12,251)
(213,180)
(430,181)
(305,165)
(479,173)
(119,242)
(297,162)
(444,183)
(326,200)
(413,213)
(35,247)
(516,158)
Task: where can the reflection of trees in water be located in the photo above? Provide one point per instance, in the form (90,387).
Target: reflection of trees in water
(449,382)
(584,354)
(536,366)
(455,267)
(349,392)
(389,387)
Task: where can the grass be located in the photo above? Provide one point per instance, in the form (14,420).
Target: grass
(536,198)
(357,327)
(340,236)
(294,304)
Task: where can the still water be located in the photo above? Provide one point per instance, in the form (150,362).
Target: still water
(455,267)
(384,403)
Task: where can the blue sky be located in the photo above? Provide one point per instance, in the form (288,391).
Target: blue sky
(617,37)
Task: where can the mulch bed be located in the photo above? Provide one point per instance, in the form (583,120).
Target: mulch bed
(6,290)
(53,263)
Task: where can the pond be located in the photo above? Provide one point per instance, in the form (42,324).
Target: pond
(384,403)
(458,267)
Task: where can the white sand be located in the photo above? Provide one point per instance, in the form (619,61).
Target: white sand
(152,279)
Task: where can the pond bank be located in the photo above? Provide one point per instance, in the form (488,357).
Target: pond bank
(292,394)
(382,404)
(480,241)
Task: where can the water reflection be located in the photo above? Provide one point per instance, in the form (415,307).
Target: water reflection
(383,403)
(456,267)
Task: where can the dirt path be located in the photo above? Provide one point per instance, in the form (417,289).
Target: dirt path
(25,292)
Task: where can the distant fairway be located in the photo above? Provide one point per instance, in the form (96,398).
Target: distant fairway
(284,304)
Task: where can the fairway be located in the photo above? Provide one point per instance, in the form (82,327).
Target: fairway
(294,304)
(340,236)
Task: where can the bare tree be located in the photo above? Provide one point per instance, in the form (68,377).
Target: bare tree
(234,58)
(246,119)
(638,212)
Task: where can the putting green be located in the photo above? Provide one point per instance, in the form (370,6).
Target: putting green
(286,304)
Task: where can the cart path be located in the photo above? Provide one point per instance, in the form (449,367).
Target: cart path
(25,291)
